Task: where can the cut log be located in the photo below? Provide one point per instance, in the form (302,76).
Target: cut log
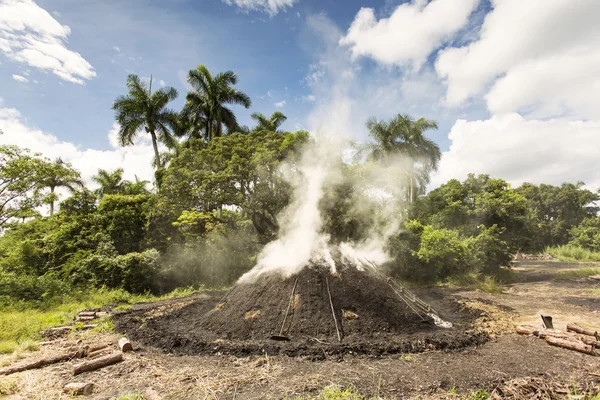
(97,363)
(100,314)
(86,314)
(86,318)
(572,345)
(527,330)
(589,341)
(595,277)
(43,362)
(582,330)
(97,347)
(125,345)
(78,389)
(96,353)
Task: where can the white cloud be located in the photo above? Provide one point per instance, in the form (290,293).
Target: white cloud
(310,98)
(520,150)
(271,7)
(117,49)
(162,83)
(135,160)
(30,35)
(538,57)
(410,34)
(20,78)
(280,104)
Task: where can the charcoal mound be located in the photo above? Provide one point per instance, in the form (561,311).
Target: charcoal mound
(316,304)
(312,313)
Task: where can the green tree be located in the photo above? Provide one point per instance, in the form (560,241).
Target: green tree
(237,170)
(20,175)
(272,123)
(110,182)
(143,109)
(403,136)
(59,174)
(205,107)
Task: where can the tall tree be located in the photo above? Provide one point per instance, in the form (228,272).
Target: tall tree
(110,182)
(59,174)
(143,109)
(206,104)
(20,174)
(271,124)
(404,136)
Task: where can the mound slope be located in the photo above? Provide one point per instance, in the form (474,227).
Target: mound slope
(314,303)
(373,315)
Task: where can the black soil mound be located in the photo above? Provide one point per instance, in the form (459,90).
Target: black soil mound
(313,313)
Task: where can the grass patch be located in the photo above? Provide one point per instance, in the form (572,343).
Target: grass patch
(8,387)
(577,273)
(570,253)
(337,393)
(485,283)
(21,322)
(122,307)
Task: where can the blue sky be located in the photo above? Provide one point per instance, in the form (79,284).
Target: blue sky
(500,77)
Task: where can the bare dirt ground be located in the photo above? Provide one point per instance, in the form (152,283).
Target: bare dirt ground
(507,365)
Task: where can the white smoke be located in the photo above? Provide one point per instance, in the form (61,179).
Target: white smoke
(301,240)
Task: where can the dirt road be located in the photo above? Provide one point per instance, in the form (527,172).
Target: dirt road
(507,364)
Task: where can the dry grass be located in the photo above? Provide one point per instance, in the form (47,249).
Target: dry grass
(493,320)
(252,314)
(349,315)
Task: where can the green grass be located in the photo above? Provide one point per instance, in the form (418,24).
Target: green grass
(485,283)
(336,393)
(21,323)
(570,253)
(577,273)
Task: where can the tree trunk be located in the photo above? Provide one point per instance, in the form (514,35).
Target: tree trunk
(582,330)
(156,153)
(51,200)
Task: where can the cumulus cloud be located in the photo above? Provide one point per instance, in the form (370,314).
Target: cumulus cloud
(521,150)
(135,160)
(20,78)
(537,57)
(280,104)
(30,35)
(271,7)
(410,34)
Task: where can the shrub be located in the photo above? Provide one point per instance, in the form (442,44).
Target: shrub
(586,234)
(446,253)
(489,250)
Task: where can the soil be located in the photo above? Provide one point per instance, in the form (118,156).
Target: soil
(506,366)
(294,317)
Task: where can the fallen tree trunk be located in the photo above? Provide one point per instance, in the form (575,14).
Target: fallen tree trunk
(97,363)
(43,362)
(527,330)
(589,341)
(582,330)
(572,345)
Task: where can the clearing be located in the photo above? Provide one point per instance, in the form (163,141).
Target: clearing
(507,364)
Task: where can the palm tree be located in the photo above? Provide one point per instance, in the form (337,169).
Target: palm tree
(206,103)
(143,109)
(134,188)
(404,136)
(59,174)
(110,182)
(271,124)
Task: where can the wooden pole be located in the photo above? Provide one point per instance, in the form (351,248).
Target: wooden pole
(97,363)
(333,311)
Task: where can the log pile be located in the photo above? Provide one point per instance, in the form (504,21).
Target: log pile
(534,257)
(98,356)
(586,342)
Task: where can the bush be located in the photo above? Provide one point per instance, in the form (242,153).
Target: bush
(29,288)
(445,252)
(489,250)
(587,234)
